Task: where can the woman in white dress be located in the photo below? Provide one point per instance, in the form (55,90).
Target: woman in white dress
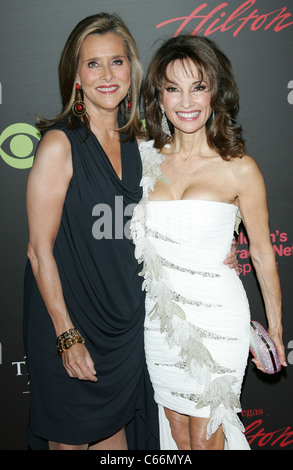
(196,181)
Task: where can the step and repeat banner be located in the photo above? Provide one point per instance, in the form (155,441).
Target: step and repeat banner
(257,35)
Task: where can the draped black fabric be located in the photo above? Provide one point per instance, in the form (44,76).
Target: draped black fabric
(102,291)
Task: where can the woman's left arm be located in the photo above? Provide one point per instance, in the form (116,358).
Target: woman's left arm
(253,207)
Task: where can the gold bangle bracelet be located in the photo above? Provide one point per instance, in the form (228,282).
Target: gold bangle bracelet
(68,339)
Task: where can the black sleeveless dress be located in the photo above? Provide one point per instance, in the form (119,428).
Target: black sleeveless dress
(102,291)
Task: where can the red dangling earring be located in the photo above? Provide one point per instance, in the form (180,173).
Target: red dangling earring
(129,102)
(78,108)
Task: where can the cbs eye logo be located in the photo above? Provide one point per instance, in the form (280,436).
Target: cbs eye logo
(20,140)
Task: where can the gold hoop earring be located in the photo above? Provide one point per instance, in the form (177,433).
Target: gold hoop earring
(78,108)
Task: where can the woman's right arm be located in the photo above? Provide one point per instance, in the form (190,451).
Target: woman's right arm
(46,191)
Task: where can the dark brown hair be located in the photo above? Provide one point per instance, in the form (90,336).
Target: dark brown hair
(100,23)
(223,133)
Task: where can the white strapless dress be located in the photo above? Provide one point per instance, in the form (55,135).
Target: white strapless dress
(197,313)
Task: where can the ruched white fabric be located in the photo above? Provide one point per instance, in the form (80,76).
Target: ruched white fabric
(197,313)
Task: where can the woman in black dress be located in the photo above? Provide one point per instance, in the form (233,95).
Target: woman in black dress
(82,274)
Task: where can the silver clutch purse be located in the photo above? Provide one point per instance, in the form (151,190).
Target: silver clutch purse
(263,348)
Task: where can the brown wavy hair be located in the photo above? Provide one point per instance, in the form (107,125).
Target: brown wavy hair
(223,132)
(100,23)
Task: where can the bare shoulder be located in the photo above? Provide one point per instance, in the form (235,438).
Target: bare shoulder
(246,167)
(53,153)
(56,143)
(245,163)
(248,178)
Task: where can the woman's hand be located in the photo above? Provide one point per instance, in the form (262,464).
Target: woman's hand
(78,363)
(231,259)
(276,335)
